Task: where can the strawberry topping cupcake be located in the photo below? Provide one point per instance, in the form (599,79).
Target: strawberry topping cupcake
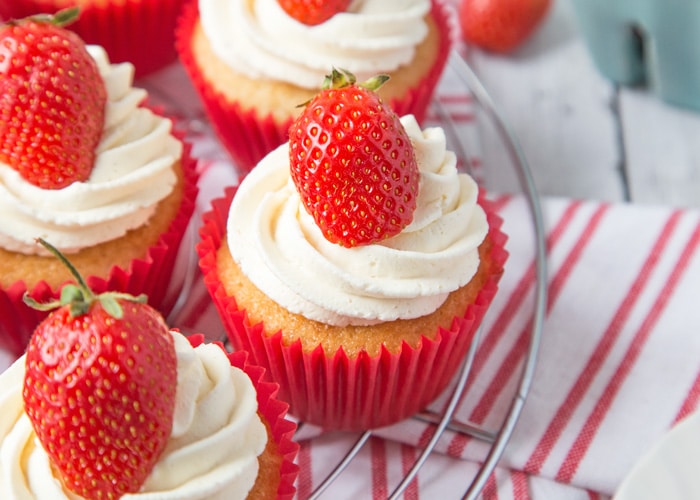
(228,439)
(108,402)
(355,262)
(254,62)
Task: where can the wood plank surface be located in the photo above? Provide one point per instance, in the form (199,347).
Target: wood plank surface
(582,136)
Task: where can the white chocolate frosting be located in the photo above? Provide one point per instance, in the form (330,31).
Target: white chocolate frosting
(279,247)
(134,170)
(259,39)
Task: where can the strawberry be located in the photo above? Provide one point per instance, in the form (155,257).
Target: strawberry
(99,388)
(500,25)
(313,12)
(52,101)
(353,163)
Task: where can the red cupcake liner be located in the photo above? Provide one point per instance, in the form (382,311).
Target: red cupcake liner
(332,390)
(247,136)
(273,411)
(150,275)
(141,32)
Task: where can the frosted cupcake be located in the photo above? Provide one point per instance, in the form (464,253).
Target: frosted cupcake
(141,32)
(229,437)
(108,402)
(253,64)
(122,224)
(359,334)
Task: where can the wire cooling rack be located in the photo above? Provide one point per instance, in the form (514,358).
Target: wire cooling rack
(498,438)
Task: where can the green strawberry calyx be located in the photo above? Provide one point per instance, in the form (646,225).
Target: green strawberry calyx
(78,296)
(341,78)
(62,18)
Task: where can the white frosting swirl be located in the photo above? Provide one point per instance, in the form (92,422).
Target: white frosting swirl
(213,448)
(283,252)
(133,171)
(260,40)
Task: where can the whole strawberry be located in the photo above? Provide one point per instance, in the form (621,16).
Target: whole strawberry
(500,25)
(313,12)
(52,101)
(99,388)
(353,163)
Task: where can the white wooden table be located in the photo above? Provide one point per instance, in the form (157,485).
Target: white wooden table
(584,137)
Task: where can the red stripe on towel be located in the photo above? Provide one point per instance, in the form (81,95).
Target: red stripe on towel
(460,98)
(518,296)
(380,489)
(586,435)
(305,479)
(691,401)
(512,362)
(515,301)
(408,458)
(490,490)
(520,485)
(499,202)
(600,353)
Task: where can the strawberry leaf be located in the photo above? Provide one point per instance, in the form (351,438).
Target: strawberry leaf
(40,306)
(71,293)
(111,305)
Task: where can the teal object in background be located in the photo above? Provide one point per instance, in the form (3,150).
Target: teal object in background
(652,42)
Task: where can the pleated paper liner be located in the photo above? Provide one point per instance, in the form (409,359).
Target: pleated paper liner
(151,274)
(273,411)
(248,136)
(138,31)
(333,390)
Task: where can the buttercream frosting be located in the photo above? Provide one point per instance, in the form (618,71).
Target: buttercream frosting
(211,454)
(259,39)
(133,171)
(282,251)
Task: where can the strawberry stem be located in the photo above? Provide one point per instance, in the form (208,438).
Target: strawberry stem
(59,255)
(80,297)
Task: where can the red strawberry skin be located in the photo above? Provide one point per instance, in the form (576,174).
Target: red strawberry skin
(52,104)
(100,393)
(354,166)
(313,12)
(500,26)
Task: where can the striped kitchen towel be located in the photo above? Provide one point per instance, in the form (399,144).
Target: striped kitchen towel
(618,363)
(619,360)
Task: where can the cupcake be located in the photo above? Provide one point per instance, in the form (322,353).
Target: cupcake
(120,214)
(141,32)
(109,402)
(359,333)
(228,439)
(253,63)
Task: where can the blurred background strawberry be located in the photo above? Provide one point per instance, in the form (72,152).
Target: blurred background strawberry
(500,25)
